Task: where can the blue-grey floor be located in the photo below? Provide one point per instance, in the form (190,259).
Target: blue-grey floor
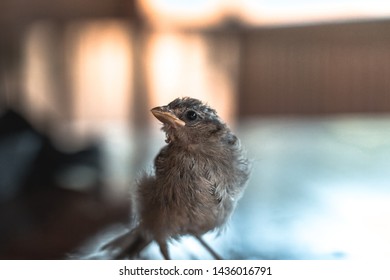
(320,189)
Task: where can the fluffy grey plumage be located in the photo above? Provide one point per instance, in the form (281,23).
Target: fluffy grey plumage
(199,177)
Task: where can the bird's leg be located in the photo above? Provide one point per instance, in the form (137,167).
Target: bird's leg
(164,249)
(127,245)
(208,248)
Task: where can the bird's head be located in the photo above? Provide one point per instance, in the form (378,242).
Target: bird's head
(188,121)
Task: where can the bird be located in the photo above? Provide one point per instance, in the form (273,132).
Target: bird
(198,178)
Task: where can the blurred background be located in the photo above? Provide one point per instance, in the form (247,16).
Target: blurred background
(305,84)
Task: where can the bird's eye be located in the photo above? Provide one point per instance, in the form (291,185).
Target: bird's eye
(191,115)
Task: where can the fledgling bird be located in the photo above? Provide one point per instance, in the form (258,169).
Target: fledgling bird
(199,176)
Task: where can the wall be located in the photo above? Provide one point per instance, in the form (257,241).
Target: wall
(325,69)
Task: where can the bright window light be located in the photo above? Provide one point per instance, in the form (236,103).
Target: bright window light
(200,13)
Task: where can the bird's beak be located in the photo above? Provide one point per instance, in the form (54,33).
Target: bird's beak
(167,117)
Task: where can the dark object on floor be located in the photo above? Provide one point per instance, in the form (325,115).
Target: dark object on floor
(29,160)
(38,218)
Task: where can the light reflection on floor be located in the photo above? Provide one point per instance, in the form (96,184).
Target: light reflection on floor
(320,189)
